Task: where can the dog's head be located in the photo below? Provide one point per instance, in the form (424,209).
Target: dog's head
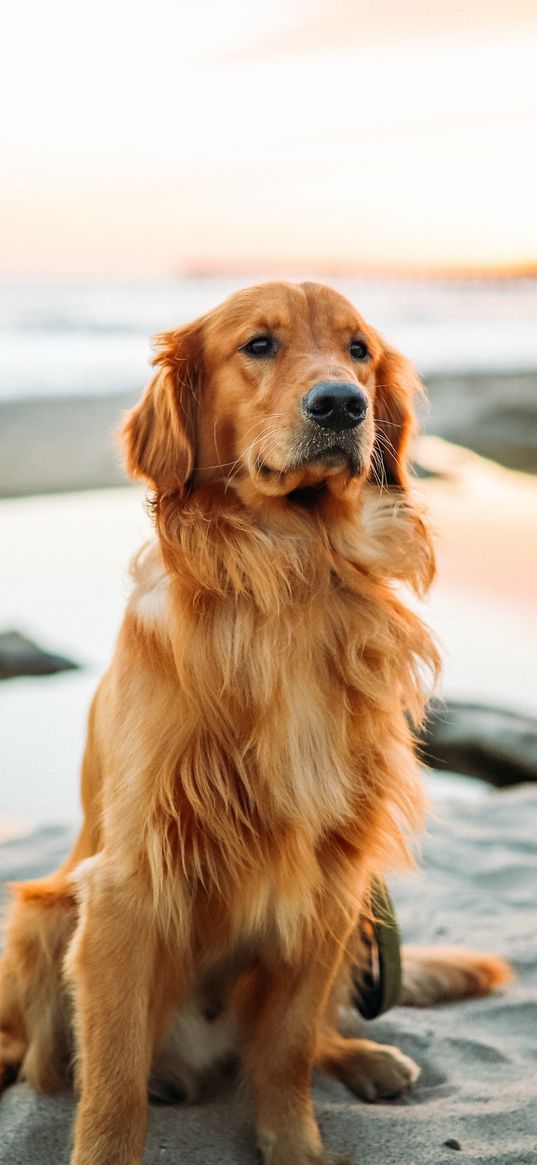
(280,392)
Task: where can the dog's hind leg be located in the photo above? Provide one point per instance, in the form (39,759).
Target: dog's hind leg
(35,1033)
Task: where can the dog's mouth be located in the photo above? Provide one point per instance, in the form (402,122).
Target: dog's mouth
(308,496)
(312,470)
(315,465)
(308,481)
(333,459)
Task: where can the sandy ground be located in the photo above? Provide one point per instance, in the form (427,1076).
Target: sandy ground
(478,1084)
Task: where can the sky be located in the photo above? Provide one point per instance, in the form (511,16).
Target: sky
(338,135)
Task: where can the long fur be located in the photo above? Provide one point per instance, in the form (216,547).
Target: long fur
(250,762)
(434,975)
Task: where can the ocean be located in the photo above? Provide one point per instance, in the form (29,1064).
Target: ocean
(89,338)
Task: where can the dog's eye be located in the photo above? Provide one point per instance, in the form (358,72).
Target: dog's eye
(359,350)
(260,346)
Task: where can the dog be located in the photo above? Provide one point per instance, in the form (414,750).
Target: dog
(250,766)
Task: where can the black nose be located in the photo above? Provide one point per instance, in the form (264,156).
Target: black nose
(334,404)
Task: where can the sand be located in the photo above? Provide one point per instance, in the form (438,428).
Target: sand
(478,1085)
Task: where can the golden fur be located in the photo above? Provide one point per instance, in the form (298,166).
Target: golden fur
(249,763)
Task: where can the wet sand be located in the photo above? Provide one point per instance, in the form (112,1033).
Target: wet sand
(62,443)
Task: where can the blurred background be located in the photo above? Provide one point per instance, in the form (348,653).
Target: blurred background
(157,157)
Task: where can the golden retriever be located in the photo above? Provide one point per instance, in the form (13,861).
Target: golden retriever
(249,767)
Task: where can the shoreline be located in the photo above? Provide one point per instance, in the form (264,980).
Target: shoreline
(59,444)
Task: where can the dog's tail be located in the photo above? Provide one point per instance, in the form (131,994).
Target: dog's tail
(432,975)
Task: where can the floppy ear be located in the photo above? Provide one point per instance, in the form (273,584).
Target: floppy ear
(397,390)
(159,434)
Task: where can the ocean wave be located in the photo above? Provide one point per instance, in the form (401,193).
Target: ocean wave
(94,338)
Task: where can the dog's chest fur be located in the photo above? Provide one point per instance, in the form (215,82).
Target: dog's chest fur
(290,686)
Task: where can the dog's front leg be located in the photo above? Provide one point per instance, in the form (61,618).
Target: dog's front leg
(287,1007)
(112,967)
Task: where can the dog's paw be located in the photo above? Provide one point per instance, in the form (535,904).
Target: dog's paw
(307,1158)
(280,1151)
(377,1071)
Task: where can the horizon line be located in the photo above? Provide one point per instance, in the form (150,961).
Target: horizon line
(197,269)
(292,269)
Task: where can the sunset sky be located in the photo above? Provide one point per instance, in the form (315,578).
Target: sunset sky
(146,139)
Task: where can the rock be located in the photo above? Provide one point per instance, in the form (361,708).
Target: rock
(495,415)
(481,741)
(20,657)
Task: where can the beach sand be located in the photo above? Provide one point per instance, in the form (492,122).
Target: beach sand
(478,1082)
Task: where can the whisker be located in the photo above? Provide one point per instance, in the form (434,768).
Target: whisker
(219,465)
(376,464)
(265,436)
(385,443)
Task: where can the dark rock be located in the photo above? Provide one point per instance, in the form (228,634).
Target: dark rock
(423,472)
(20,657)
(495,415)
(451,1143)
(52,444)
(492,743)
